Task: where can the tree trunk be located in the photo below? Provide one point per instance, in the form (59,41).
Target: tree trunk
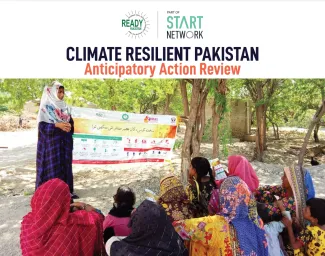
(274,130)
(261,126)
(184,97)
(216,116)
(318,115)
(316,129)
(200,119)
(217,113)
(186,150)
(166,108)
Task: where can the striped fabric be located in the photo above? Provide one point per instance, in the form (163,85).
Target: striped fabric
(54,154)
(50,228)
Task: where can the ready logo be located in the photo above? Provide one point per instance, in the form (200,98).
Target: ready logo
(136,24)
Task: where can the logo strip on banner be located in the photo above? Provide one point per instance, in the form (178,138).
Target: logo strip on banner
(122,138)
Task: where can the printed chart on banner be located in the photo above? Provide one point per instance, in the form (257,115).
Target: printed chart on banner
(110,137)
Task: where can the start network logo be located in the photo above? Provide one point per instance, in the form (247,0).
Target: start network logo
(136,24)
(184,26)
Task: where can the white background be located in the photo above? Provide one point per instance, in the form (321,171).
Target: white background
(35,35)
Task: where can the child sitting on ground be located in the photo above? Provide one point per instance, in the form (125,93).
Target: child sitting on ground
(116,222)
(273,227)
(313,236)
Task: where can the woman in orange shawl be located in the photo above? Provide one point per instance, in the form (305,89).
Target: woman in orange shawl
(51,229)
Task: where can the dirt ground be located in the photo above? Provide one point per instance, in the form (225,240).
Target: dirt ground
(96,185)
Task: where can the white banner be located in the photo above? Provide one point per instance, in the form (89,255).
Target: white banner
(109,137)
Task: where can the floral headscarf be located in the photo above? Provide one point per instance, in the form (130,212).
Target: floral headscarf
(174,200)
(238,206)
(52,109)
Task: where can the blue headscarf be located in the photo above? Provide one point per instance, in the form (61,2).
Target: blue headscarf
(309,185)
(238,206)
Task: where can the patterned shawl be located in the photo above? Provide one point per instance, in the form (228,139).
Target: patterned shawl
(237,166)
(152,234)
(174,200)
(302,186)
(238,206)
(50,228)
(208,236)
(52,109)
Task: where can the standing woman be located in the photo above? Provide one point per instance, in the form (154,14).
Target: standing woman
(55,143)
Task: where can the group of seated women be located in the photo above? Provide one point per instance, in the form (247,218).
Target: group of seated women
(230,216)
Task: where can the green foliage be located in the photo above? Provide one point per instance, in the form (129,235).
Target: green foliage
(296,102)
(131,95)
(225,139)
(225,135)
(207,135)
(178,144)
(3,108)
(15,92)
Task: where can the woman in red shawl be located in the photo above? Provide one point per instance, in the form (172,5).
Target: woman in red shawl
(51,229)
(237,166)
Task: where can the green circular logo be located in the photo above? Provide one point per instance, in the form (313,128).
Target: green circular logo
(125,116)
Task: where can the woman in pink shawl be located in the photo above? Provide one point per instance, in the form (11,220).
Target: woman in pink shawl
(237,166)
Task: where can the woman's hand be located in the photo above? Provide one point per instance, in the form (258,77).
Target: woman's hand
(279,204)
(286,222)
(82,206)
(66,127)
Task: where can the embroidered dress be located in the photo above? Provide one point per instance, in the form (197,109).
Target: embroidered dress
(200,197)
(174,200)
(314,238)
(208,236)
(238,206)
(266,195)
(237,166)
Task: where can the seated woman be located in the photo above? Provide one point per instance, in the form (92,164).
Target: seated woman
(116,222)
(207,236)
(266,194)
(201,185)
(236,231)
(237,166)
(52,229)
(152,234)
(174,200)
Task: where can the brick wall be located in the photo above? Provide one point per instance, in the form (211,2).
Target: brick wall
(239,117)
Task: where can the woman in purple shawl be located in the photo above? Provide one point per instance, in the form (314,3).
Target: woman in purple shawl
(55,143)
